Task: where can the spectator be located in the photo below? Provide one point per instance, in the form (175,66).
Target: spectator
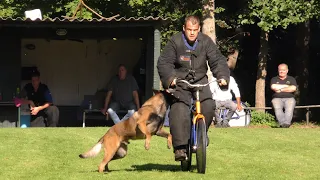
(283,100)
(122,95)
(223,98)
(37,95)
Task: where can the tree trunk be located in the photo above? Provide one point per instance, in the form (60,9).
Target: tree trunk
(232,59)
(208,26)
(302,65)
(262,71)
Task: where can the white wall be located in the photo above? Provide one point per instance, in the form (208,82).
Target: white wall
(73,69)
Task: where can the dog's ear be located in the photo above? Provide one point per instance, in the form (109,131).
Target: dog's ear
(155,91)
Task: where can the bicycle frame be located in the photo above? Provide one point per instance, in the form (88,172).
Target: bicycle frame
(198,132)
(197,114)
(224,112)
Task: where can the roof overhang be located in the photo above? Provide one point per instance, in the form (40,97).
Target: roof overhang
(84,23)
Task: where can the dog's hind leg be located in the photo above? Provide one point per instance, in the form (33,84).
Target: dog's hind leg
(121,153)
(163,133)
(111,146)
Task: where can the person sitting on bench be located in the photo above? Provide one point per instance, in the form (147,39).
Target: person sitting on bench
(37,95)
(223,98)
(122,95)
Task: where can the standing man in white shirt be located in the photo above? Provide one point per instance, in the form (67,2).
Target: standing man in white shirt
(223,98)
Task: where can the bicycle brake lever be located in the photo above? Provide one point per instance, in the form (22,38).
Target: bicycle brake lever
(171,91)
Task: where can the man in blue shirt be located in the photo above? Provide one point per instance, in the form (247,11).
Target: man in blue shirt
(37,95)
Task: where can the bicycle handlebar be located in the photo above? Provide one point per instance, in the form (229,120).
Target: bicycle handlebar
(195,85)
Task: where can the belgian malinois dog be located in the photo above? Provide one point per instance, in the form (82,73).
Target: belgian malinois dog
(144,123)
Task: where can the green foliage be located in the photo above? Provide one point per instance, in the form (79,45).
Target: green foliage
(262,118)
(174,9)
(7,11)
(270,14)
(70,7)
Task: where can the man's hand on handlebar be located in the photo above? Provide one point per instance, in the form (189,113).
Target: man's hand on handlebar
(173,83)
(222,82)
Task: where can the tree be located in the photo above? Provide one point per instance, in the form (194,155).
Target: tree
(208,26)
(268,15)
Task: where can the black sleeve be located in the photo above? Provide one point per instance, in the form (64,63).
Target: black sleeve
(293,81)
(217,62)
(47,94)
(166,65)
(273,81)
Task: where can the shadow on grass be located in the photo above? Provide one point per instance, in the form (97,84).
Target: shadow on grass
(157,167)
(96,171)
(147,167)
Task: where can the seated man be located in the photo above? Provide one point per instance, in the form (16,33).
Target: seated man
(122,95)
(284,87)
(38,97)
(223,98)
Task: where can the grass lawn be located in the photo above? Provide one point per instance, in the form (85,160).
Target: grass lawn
(233,153)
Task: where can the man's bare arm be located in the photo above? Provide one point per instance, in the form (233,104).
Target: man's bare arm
(107,100)
(276,87)
(291,88)
(28,102)
(239,107)
(136,99)
(46,105)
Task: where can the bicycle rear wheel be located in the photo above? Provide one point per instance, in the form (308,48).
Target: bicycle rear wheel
(201,151)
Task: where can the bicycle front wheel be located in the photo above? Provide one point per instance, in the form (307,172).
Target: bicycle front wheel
(201,151)
(186,165)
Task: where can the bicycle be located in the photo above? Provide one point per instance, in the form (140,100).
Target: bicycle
(198,135)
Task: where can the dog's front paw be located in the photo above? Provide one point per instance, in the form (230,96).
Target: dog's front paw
(147,146)
(169,142)
(100,170)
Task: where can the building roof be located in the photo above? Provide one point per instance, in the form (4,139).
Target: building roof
(62,19)
(142,21)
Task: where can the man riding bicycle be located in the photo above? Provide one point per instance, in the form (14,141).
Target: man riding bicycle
(185,57)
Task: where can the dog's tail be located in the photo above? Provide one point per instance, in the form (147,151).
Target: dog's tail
(94,151)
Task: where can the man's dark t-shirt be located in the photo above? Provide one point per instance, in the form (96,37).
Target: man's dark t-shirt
(288,81)
(122,89)
(39,98)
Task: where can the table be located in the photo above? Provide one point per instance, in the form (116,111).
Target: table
(11,104)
